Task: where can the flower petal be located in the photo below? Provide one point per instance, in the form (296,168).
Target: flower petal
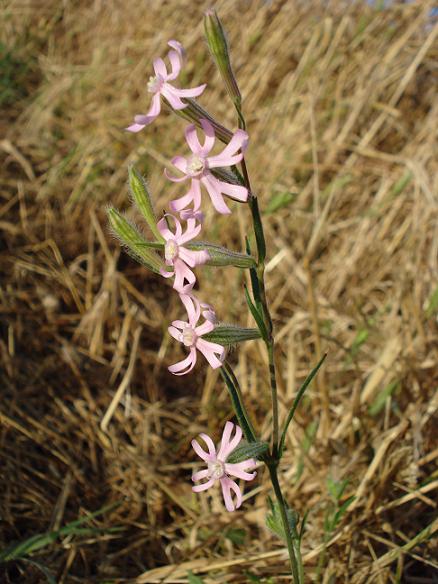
(210,183)
(178,204)
(174,332)
(239,141)
(237,192)
(143,120)
(135,128)
(209,351)
(184,366)
(183,272)
(175,63)
(194,92)
(166,273)
(192,307)
(160,68)
(169,93)
(227,444)
(209,136)
(237,471)
(201,474)
(177,46)
(221,160)
(193,258)
(227,486)
(210,445)
(203,487)
(205,328)
(164,230)
(192,139)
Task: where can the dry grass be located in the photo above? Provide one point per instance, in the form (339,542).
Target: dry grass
(342,110)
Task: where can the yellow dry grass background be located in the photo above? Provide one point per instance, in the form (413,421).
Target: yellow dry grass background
(342,109)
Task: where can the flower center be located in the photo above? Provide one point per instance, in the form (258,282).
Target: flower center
(195,165)
(171,250)
(188,336)
(216,469)
(154,84)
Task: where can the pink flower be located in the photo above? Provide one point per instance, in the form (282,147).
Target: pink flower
(159,85)
(191,336)
(180,257)
(197,169)
(218,469)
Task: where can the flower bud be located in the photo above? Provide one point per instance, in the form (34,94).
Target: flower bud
(218,46)
(248,450)
(229,334)
(142,200)
(134,241)
(221,256)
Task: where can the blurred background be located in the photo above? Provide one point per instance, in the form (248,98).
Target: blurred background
(342,111)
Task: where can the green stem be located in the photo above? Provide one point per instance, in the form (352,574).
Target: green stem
(274,396)
(297,569)
(292,538)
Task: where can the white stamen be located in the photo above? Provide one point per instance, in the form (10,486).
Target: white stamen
(195,165)
(171,250)
(188,336)
(216,469)
(154,84)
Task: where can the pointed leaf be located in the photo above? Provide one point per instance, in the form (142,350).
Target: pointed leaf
(297,400)
(256,315)
(236,398)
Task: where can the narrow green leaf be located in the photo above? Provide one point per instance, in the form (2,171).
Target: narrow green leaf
(379,402)
(336,488)
(297,400)
(236,399)
(248,450)
(28,546)
(227,335)
(254,280)
(134,241)
(256,315)
(143,201)
(341,511)
(258,229)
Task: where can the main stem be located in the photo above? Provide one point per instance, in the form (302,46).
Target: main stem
(297,571)
(296,564)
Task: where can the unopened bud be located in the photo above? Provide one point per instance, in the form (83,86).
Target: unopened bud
(135,243)
(218,45)
(221,256)
(143,201)
(228,334)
